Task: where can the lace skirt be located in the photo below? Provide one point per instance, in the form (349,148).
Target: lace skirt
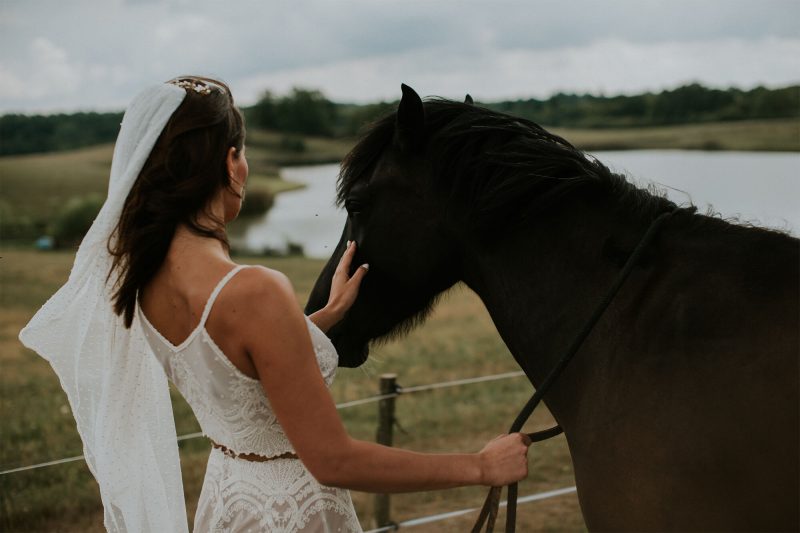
(277,496)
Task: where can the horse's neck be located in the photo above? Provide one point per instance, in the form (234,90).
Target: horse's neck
(695,280)
(542,284)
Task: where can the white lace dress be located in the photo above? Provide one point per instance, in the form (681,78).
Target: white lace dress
(239,495)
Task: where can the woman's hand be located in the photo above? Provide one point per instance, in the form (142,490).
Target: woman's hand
(504,459)
(344,290)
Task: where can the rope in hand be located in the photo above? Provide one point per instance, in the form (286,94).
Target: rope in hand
(490,507)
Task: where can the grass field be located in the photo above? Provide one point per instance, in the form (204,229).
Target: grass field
(752,135)
(36,186)
(458,341)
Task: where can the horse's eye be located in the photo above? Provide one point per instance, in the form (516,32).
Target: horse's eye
(354,207)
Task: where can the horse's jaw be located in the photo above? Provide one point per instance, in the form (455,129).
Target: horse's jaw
(352,352)
(353,358)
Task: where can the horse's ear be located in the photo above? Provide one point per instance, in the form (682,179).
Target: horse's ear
(410,119)
(468,100)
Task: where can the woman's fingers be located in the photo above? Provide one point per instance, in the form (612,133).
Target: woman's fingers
(505,459)
(359,274)
(344,264)
(344,288)
(347,257)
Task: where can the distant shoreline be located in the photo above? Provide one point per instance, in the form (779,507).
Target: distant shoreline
(773,135)
(776,135)
(35,186)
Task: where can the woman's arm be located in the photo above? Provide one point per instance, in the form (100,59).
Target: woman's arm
(326,318)
(288,370)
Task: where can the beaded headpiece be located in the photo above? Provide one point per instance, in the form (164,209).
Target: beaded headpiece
(193,84)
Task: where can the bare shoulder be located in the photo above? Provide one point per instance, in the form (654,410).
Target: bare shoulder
(261,290)
(258,277)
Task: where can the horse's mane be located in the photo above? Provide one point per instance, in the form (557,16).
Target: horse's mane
(504,167)
(497,163)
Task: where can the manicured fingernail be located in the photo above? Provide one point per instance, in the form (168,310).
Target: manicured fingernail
(348,244)
(365,266)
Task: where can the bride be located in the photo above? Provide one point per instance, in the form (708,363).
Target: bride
(154,294)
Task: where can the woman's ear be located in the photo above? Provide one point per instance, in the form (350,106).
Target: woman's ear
(230,161)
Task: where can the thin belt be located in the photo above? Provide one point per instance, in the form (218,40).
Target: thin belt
(251,456)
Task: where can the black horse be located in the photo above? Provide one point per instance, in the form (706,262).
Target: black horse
(681,409)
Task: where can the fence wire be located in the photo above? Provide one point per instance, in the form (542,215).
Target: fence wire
(451,514)
(343,405)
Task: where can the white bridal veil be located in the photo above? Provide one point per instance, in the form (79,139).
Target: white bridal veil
(117,390)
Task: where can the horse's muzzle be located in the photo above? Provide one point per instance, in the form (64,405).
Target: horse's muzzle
(352,356)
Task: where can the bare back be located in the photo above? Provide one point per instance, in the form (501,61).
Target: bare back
(173,302)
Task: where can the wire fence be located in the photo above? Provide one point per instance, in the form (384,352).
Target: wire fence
(344,405)
(452,514)
(398,391)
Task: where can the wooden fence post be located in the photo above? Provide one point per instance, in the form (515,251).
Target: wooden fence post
(388,385)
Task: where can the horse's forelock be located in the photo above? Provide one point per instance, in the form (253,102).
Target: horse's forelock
(359,162)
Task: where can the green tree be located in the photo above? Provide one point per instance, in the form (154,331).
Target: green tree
(263,113)
(303,111)
(27,134)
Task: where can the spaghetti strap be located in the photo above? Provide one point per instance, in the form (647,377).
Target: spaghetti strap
(215,293)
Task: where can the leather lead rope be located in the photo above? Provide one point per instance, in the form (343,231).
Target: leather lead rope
(490,507)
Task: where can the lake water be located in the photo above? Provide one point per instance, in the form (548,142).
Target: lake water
(760,187)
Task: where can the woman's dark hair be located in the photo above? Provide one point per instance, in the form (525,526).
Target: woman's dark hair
(185,170)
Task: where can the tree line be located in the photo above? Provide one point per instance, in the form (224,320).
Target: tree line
(692,103)
(309,112)
(28,134)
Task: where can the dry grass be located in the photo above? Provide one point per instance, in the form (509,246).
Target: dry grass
(753,135)
(458,341)
(37,186)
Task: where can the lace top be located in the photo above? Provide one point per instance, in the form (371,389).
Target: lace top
(231,407)
(279,496)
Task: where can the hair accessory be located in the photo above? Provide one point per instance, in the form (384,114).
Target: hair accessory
(190,84)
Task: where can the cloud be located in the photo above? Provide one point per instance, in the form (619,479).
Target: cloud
(360,50)
(51,73)
(607,66)
(190,28)
(11,86)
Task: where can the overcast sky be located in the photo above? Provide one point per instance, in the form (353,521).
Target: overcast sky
(67,55)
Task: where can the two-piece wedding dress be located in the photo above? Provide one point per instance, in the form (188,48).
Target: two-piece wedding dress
(239,495)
